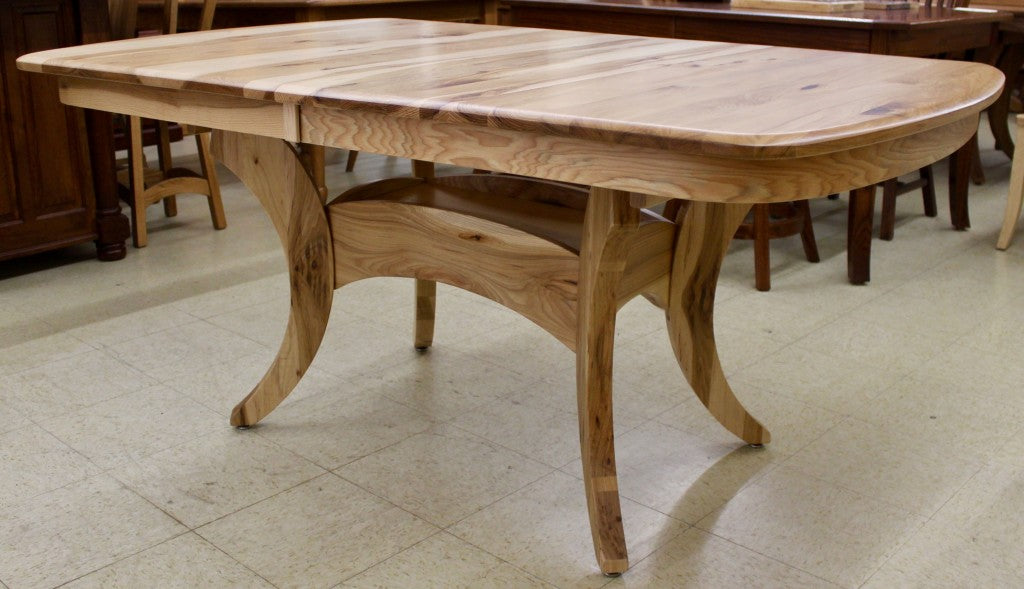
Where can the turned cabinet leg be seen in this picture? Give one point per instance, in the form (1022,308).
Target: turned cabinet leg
(608,220)
(271,169)
(704,235)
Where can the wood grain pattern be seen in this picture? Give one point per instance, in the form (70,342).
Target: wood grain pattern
(608,224)
(600,87)
(660,172)
(704,235)
(723,125)
(271,170)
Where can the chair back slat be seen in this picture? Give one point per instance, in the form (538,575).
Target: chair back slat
(124,17)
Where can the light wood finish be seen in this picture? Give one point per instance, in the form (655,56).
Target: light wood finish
(599,110)
(243,13)
(271,170)
(704,235)
(148,188)
(1015,197)
(922,31)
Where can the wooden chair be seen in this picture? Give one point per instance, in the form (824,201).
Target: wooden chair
(149,186)
(925,182)
(1015,198)
(771,221)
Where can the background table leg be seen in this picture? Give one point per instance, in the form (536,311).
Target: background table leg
(861,218)
(271,169)
(704,235)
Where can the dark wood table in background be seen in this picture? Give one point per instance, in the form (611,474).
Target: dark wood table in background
(916,33)
(247,13)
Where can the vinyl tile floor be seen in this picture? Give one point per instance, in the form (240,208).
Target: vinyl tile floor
(896,411)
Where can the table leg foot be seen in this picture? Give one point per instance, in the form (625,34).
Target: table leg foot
(608,220)
(704,235)
(271,169)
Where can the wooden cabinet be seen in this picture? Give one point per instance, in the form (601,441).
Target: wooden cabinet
(56,163)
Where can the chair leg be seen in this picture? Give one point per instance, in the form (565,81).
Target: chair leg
(977,172)
(1015,196)
(807,234)
(166,163)
(887,227)
(762,249)
(928,192)
(351,163)
(209,169)
(137,179)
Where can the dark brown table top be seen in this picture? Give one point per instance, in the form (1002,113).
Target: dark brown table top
(922,17)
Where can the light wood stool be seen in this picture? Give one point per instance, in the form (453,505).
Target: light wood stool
(1015,198)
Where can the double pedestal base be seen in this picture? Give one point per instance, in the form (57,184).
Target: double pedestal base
(563,257)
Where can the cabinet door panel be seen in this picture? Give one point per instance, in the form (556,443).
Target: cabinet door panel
(53,202)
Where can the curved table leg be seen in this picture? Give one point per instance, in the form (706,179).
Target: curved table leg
(609,218)
(705,232)
(272,171)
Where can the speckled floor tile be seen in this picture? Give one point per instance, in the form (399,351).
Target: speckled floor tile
(454,565)
(698,559)
(129,326)
(529,424)
(973,541)
(358,347)
(40,351)
(236,296)
(180,563)
(64,534)
(792,424)
(823,529)
(818,377)
(885,465)
(544,530)
(71,384)
(317,534)
(934,412)
(133,426)
(683,475)
(214,475)
(10,418)
(443,474)
(263,322)
(182,349)
(335,427)
(879,346)
(443,384)
(33,462)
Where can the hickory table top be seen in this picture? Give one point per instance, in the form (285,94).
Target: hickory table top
(742,101)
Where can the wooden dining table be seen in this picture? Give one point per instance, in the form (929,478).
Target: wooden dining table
(917,32)
(705,129)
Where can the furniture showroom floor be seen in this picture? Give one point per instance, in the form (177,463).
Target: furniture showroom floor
(896,411)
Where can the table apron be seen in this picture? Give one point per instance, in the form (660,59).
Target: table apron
(657,172)
(217,111)
(670,173)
